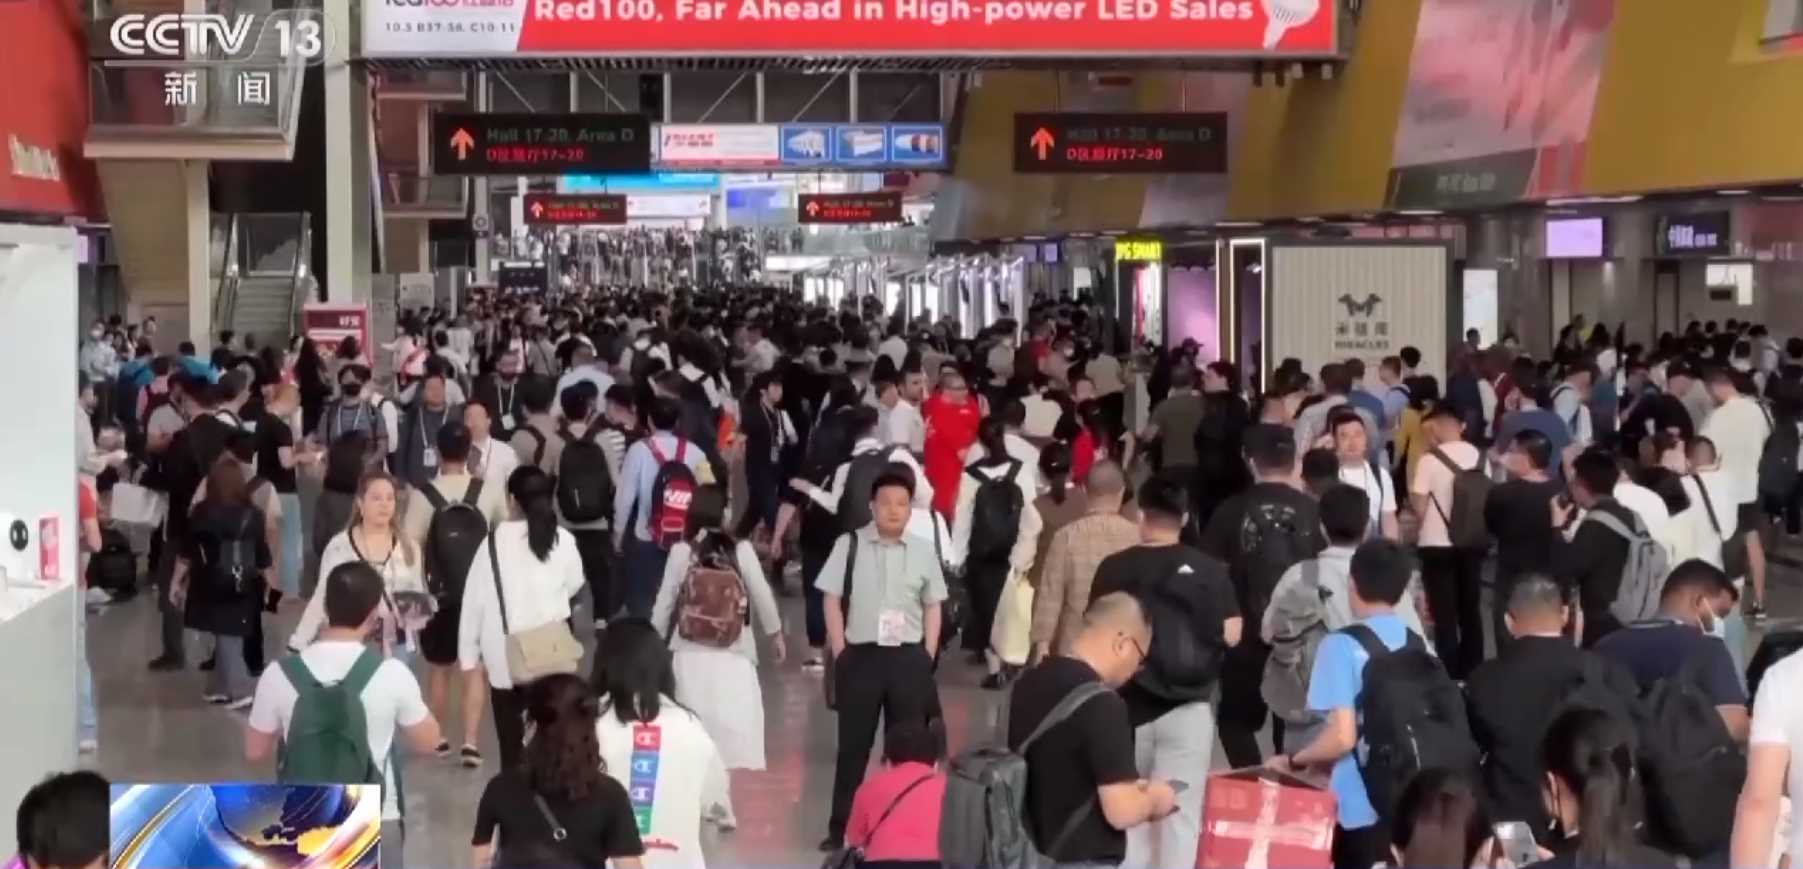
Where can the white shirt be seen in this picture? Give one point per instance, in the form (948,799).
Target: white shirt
(894,348)
(591,373)
(1042,416)
(1646,504)
(1379,489)
(828,499)
(397,576)
(1020,449)
(498,461)
(764,355)
(1778,720)
(1739,430)
(903,426)
(1726,499)
(671,767)
(538,592)
(1026,542)
(391,699)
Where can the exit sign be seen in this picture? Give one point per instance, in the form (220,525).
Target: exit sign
(842,208)
(1104,143)
(555,209)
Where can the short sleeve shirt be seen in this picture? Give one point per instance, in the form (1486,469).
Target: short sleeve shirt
(1778,720)
(1378,488)
(1434,479)
(889,581)
(1335,683)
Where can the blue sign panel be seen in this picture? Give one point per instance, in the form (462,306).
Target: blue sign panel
(861,145)
(650,181)
(917,144)
(807,144)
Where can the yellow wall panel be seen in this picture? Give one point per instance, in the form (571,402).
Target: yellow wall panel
(1319,147)
(1689,100)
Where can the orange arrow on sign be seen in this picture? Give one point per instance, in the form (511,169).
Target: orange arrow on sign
(538,209)
(813,209)
(462,142)
(1041,142)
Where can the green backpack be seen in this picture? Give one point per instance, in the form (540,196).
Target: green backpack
(328,737)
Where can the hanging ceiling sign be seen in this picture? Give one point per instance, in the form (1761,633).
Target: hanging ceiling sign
(539,144)
(853,147)
(1191,29)
(1065,142)
(844,208)
(559,209)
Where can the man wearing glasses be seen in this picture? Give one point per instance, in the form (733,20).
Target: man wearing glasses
(1084,792)
(951,416)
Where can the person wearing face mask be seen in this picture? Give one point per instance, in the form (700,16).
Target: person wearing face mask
(416,455)
(277,458)
(1684,641)
(355,411)
(1589,791)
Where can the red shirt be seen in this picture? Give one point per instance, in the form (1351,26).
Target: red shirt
(911,832)
(951,429)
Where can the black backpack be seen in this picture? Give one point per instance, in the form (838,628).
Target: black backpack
(995,514)
(860,483)
(456,533)
(1411,717)
(1691,768)
(229,565)
(114,569)
(1272,539)
(585,485)
(1778,461)
(1464,518)
(1180,656)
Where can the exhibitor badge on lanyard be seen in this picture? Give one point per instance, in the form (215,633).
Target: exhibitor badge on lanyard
(428,453)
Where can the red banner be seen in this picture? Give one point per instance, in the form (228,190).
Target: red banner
(44,115)
(934,28)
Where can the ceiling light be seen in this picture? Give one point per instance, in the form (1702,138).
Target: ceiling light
(1237,224)
(1420,212)
(1786,198)
(1308,219)
(1732,192)
(1596,200)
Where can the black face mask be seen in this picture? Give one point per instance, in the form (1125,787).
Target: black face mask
(510,376)
(350,388)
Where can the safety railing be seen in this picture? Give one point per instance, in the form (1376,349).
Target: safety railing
(228,275)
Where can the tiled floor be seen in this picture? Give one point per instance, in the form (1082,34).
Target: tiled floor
(154,727)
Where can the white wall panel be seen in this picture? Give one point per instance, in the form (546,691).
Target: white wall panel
(1333,303)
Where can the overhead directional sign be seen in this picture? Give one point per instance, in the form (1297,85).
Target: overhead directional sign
(843,208)
(858,147)
(1107,143)
(534,144)
(560,209)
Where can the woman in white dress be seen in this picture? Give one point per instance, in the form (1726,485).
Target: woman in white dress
(375,538)
(720,684)
(659,750)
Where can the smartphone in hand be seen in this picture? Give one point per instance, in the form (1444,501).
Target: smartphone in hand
(1516,841)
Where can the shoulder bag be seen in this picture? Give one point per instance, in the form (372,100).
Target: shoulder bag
(536,651)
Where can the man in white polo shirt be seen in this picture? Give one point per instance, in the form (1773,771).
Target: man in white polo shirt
(391,697)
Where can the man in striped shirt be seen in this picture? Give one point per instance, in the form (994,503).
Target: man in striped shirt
(1062,593)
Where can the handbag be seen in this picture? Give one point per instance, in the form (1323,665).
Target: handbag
(537,651)
(852,856)
(829,684)
(133,504)
(1734,548)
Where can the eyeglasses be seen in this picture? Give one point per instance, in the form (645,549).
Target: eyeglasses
(1138,650)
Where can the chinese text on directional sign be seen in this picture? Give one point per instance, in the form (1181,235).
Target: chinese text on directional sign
(556,209)
(1099,142)
(534,144)
(843,208)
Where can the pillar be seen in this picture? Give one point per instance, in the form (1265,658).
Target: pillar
(349,217)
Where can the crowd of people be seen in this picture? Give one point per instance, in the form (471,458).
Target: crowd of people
(1513,595)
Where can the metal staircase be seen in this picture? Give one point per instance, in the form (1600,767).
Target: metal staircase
(262,274)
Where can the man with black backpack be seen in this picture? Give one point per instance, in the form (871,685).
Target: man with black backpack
(592,456)
(847,495)
(1195,620)
(190,455)
(1391,710)
(448,521)
(334,708)
(1260,533)
(1448,493)
(1692,711)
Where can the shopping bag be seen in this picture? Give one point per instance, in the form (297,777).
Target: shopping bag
(1259,819)
(133,504)
(1012,636)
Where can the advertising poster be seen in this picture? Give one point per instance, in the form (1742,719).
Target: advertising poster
(874,28)
(1499,101)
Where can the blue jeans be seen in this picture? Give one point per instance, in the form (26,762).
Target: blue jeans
(644,573)
(87,719)
(294,545)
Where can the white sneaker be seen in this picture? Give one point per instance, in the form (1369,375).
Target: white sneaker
(98,597)
(215,699)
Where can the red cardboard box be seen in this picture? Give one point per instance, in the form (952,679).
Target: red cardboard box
(1257,819)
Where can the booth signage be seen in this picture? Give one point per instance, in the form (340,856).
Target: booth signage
(533,144)
(522,279)
(1106,143)
(652,181)
(1190,29)
(849,207)
(556,209)
(858,147)
(1708,233)
(329,325)
(1138,250)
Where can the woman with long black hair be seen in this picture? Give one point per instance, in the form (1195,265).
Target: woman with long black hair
(1589,790)
(994,556)
(522,578)
(561,797)
(657,747)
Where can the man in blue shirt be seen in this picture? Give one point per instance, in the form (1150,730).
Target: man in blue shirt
(643,558)
(1380,575)
(1525,413)
(1370,407)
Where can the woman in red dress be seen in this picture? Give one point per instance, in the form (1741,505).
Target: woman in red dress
(951,416)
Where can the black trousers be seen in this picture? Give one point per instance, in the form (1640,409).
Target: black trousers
(1453,578)
(174,649)
(510,724)
(984,582)
(1243,711)
(596,547)
(1361,848)
(871,681)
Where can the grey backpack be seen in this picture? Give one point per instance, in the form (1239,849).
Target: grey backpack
(982,821)
(1643,576)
